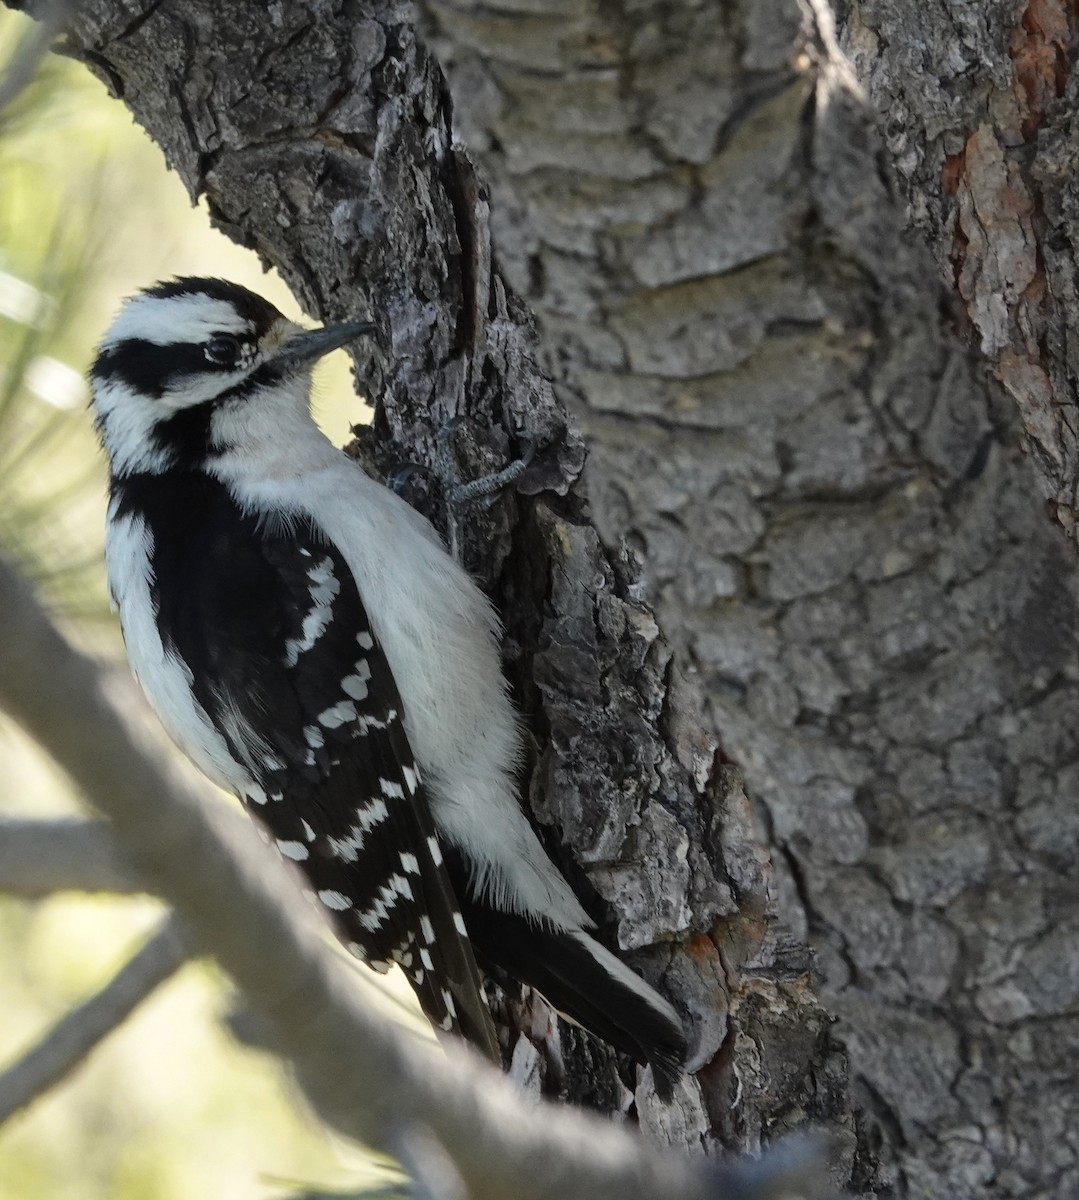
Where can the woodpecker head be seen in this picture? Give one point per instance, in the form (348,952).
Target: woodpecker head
(184,359)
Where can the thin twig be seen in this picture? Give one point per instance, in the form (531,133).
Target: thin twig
(362,1075)
(73,1037)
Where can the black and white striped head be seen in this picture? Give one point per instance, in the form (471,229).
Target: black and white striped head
(182,359)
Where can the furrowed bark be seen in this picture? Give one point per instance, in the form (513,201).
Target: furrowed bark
(840,529)
(979,113)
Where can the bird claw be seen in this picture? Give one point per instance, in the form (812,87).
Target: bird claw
(486,490)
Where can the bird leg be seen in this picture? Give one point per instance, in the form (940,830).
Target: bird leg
(484,490)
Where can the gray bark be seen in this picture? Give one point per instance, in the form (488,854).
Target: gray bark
(320,137)
(979,115)
(838,524)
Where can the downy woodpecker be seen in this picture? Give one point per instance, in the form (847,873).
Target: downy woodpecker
(306,639)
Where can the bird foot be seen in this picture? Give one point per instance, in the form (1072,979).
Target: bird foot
(485,490)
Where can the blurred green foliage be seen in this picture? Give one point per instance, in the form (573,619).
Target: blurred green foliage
(47,253)
(169,1107)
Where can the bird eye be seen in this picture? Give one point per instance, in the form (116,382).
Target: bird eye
(223,350)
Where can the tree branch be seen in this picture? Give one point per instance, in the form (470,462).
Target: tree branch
(77,1033)
(362,1075)
(38,858)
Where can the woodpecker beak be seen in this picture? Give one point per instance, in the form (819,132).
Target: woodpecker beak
(312,344)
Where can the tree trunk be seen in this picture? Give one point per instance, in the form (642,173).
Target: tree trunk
(978,111)
(839,527)
(322,140)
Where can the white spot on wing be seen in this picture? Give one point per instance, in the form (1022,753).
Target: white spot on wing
(425,958)
(335,900)
(294,850)
(355,685)
(348,848)
(308,832)
(322,576)
(410,863)
(338,714)
(436,850)
(323,590)
(373,917)
(365,640)
(459,923)
(376,915)
(391,790)
(411,776)
(400,885)
(427,929)
(372,814)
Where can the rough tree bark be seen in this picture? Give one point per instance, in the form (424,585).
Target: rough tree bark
(319,134)
(979,114)
(838,523)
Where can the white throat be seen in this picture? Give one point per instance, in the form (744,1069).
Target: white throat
(270,434)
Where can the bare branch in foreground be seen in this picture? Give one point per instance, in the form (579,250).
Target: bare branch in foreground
(38,858)
(432,1171)
(362,1075)
(76,1034)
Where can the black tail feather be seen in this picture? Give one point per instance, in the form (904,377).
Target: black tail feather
(582,980)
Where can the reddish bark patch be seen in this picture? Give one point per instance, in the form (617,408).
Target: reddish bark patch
(954,165)
(701,948)
(1040,49)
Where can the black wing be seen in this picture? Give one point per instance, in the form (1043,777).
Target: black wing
(285,664)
